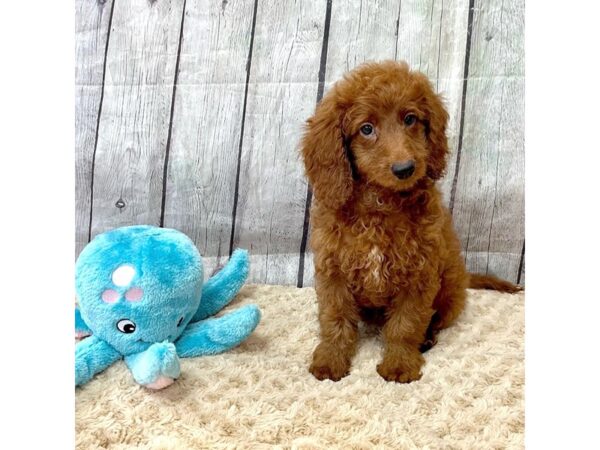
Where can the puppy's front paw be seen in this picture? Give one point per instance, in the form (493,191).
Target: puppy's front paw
(401,371)
(326,372)
(328,365)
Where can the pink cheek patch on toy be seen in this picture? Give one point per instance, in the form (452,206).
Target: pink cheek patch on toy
(110,296)
(134,294)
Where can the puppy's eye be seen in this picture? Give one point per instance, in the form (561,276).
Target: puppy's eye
(180,322)
(126,326)
(410,119)
(367,129)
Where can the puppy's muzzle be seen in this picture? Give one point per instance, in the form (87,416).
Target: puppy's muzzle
(403,170)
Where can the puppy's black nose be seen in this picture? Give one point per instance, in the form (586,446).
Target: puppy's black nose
(403,170)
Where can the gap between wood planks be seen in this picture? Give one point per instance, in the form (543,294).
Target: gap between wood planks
(320,89)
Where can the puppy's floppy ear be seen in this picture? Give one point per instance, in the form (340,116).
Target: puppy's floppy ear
(327,167)
(436,124)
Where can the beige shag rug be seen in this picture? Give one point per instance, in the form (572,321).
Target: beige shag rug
(261,395)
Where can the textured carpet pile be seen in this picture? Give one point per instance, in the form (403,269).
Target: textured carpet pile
(261,395)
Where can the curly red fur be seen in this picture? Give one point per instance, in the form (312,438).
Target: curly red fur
(385,248)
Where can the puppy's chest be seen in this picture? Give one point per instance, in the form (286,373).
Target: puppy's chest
(380,257)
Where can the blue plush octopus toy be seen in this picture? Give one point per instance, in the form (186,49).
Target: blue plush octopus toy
(142,297)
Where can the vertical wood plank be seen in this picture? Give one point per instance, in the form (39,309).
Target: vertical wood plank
(134,122)
(122,152)
(432,38)
(521,278)
(359,31)
(207,124)
(281,95)
(489,204)
(92,22)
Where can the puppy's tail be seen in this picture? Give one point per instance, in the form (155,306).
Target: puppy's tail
(478,281)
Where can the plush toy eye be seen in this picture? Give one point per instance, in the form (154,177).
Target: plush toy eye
(366,129)
(180,322)
(126,326)
(410,119)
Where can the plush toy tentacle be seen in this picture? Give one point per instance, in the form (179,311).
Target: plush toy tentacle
(92,355)
(219,290)
(217,335)
(156,367)
(81,328)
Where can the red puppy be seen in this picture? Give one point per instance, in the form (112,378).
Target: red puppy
(384,245)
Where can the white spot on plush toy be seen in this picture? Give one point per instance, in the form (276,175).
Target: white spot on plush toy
(123,275)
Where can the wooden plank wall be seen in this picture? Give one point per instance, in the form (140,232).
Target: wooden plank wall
(207,124)
(189,113)
(91,32)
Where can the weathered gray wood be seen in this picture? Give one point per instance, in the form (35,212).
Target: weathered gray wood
(202,148)
(281,95)
(489,204)
(360,31)
(432,38)
(134,122)
(92,20)
(207,120)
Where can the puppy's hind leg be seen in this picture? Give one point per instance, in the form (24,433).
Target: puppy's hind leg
(448,303)
(431,334)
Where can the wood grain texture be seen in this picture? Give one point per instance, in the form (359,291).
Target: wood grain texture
(432,38)
(193,119)
(134,122)
(489,203)
(360,31)
(207,124)
(91,32)
(281,95)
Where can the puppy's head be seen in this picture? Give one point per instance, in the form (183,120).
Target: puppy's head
(382,124)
